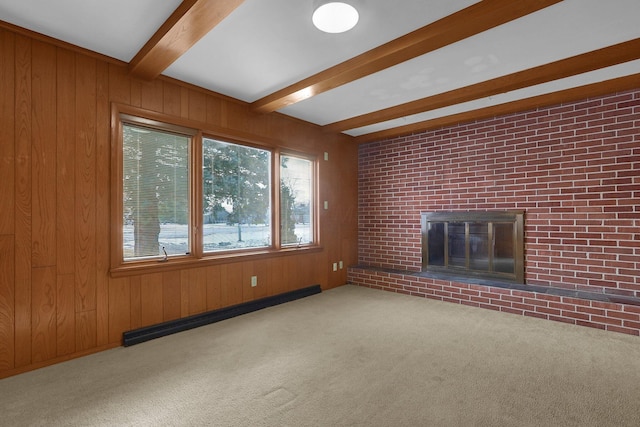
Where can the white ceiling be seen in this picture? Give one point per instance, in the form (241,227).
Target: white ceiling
(267,45)
(270,44)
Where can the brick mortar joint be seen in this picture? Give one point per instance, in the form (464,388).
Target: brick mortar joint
(534,289)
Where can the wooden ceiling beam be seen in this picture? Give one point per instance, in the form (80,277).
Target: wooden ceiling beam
(555,98)
(465,23)
(191,21)
(605,57)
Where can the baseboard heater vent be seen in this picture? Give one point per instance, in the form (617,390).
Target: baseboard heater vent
(147,333)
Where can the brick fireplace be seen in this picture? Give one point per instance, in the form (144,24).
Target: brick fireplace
(574,169)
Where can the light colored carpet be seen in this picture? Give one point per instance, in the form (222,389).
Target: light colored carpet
(347,357)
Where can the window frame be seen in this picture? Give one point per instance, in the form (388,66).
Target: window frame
(232,141)
(121,114)
(314,210)
(187,133)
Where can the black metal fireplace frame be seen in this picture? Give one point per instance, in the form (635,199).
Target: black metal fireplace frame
(490,218)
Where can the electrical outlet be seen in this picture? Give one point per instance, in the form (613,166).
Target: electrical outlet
(326,204)
(335,266)
(254,281)
(326,156)
(341,265)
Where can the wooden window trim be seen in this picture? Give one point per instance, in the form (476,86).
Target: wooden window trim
(197,130)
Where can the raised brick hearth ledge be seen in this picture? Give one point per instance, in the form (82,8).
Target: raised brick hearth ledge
(601,311)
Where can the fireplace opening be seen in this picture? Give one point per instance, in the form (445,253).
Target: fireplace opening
(481,244)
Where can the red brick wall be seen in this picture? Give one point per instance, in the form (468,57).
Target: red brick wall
(574,169)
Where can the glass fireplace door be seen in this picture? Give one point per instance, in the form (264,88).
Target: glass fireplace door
(484,244)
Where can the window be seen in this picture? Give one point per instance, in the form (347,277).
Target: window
(155,192)
(236,196)
(296,200)
(181,197)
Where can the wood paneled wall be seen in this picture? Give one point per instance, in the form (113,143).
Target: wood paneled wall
(57,299)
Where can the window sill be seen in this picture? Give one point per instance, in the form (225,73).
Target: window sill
(147,267)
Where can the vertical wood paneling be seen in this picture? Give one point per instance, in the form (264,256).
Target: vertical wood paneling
(43,318)
(231,284)
(263,271)
(7,311)
(65,145)
(214,111)
(184,292)
(136,93)
(292,272)
(184,102)
(305,269)
(119,84)
(171,294)
(234,117)
(349,215)
(197,291)
(134,290)
(223,117)
(119,309)
(85,211)
(65,314)
(56,296)
(86,330)
(258,125)
(260,269)
(322,271)
(213,287)
(7,135)
(7,197)
(43,155)
(197,106)
(152,95)
(277,284)
(151,299)
(23,202)
(172,102)
(103,145)
(329,172)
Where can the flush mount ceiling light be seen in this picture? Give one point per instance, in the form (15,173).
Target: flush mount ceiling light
(335,17)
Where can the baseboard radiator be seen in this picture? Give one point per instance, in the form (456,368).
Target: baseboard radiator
(147,333)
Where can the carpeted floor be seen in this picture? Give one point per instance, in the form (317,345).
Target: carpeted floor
(347,357)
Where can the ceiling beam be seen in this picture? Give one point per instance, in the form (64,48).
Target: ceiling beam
(567,95)
(465,23)
(605,57)
(191,21)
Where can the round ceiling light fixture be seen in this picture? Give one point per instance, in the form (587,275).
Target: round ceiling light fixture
(335,17)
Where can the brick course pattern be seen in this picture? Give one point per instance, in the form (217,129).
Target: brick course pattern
(575,171)
(609,316)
